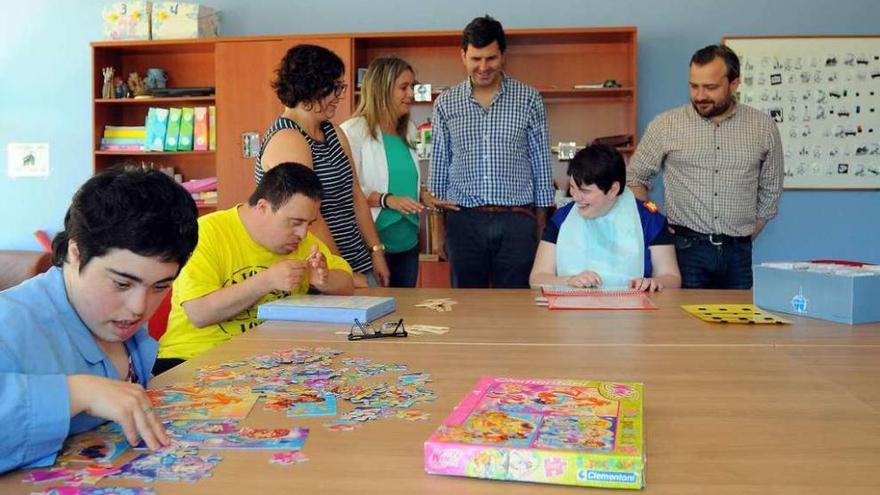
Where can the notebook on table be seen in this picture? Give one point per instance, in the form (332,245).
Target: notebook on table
(565,297)
(327,309)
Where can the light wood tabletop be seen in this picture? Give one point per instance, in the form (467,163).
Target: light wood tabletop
(745,410)
(483,316)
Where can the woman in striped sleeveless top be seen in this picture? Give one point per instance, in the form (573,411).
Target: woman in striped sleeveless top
(310,85)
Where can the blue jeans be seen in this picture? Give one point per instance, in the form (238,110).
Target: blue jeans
(404,267)
(494,249)
(704,265)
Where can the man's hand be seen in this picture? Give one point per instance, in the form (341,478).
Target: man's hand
(646,284)
(286,275)
(436,203)
(759,226)
(318,270)
(540,223)
(122,402)
(585,279)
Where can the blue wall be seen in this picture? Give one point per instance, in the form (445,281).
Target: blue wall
(45,64)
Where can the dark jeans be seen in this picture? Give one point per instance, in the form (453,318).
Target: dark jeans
(164,364)
(704,265)
(404,267)
(490,248)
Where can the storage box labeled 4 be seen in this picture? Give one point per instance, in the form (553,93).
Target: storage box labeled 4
(178,20)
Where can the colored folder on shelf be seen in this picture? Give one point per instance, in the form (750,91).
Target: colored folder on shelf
(173,132)
(200,129)
(156,126)
(564,297)
(185,140)
(327,309)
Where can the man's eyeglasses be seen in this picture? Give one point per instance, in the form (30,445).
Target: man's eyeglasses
(360,331)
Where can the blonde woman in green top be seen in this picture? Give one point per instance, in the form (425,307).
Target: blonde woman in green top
(381,137)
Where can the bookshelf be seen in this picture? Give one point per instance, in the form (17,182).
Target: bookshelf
(186,63)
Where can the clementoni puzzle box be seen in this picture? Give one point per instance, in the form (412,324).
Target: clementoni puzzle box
(567,432)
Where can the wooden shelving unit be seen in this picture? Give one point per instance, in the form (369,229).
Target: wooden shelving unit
(186,63)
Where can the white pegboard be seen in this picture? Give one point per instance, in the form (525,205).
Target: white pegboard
(824,93)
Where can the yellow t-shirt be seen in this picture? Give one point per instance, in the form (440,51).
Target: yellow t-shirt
(226,255)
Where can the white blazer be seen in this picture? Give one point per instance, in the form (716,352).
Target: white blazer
(370,160)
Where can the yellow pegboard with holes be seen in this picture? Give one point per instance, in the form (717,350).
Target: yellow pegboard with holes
(746,314)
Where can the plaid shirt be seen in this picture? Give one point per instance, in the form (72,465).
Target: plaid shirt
(495,156)
(719,178)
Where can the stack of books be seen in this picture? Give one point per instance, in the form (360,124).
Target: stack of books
(123,138)
(203,191)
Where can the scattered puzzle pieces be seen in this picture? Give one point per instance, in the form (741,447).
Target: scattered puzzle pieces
(96,490)
(288,458)
(423,329)
(441,305)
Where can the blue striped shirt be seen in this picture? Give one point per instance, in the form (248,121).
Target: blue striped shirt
(494,156)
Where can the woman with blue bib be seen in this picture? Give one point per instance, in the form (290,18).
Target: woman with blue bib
(605,238)
(382,147)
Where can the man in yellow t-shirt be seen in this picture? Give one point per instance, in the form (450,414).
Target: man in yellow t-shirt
(246,256)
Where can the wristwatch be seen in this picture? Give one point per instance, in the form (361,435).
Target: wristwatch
(377,248)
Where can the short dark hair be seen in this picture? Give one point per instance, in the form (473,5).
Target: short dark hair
(307,73)
(598,164)
(142,211)
(709,53)
(284,180)
(481,32)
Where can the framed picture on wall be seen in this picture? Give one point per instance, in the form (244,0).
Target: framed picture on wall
(823,92)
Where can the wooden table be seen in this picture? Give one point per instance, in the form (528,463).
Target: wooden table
(728,409)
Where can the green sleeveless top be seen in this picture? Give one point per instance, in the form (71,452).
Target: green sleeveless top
(399,232)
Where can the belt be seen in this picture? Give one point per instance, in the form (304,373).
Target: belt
(524,209)
(714,239)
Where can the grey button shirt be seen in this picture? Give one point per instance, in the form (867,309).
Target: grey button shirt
(718,178)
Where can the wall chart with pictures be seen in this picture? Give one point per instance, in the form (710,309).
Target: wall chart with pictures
(824,94)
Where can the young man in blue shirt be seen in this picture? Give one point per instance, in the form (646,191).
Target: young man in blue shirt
(491,157)
(74,349)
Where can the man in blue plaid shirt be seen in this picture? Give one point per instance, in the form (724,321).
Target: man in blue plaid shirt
(491,156)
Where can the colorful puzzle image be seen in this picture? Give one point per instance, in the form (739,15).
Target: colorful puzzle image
(96,490)
(101,446)
(193,402)
(569,432)
(170,464)
(747,314)
(226,434)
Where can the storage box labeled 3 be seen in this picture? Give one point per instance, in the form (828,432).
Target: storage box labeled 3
(845,294)
(127,20)
(177,20)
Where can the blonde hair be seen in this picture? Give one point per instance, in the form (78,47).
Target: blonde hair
(376,104)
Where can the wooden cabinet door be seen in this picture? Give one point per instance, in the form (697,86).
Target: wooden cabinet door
(246,102)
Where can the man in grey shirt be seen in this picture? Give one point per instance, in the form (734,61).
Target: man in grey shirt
(723,171)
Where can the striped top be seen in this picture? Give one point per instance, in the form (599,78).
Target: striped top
(337,203)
